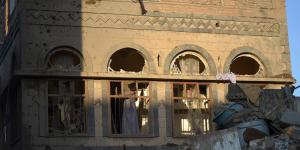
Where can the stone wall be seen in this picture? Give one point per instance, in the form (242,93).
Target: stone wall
(218,31)
(159,32)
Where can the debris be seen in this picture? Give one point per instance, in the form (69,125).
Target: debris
(259,127)
(290,117)
(227,112)
(272,103)
(273,110)
(252,91)
(293,132)
(251,134)
(235,93)
(273,122)
(221,140)
(275,143)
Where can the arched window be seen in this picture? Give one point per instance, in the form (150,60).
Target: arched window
(127,60)
(189,63)
(247,64)
(66,97)
(64,60)
(129,100)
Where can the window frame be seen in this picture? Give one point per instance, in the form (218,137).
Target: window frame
(200,58)
(150,109)
(261,71)
(208,109)
(68,51)
(85,107)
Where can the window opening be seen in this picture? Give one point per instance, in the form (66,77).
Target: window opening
(66,110)
(191,109)
(64,61)
(129,107)
(188,63)
(246,65)
(127,60)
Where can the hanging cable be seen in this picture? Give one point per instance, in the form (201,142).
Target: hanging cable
(143,9)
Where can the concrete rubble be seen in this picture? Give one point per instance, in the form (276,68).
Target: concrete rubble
(254,119)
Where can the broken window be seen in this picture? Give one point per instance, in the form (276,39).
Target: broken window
(129,107)
(64,60)
(191,109)
(127,60)
(66,110)
(188,63)
(246,65)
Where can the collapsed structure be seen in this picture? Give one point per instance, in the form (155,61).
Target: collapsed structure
(131,74)
(254,120)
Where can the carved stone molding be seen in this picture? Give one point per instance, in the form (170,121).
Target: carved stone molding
(157,22)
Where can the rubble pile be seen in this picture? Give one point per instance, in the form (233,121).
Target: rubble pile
(262,120)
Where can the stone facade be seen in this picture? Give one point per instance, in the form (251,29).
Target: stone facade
(72,40)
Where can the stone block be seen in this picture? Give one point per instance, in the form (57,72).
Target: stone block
(221,140)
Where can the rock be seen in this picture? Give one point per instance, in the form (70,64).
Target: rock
(290,117)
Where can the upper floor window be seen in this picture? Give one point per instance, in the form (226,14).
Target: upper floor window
(188,63)
(191,113)
(247,64)
(64,60)
(127,60)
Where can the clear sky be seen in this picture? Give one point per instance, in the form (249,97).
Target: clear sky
(293,14)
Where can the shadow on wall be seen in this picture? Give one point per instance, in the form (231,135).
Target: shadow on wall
(56,34)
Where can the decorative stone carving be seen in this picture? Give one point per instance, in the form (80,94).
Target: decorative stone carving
(160,23)
(223,3)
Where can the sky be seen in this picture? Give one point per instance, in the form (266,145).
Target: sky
(293,15)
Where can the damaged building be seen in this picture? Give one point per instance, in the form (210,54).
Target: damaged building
(131,74)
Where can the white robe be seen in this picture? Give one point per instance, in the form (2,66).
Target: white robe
(130,118)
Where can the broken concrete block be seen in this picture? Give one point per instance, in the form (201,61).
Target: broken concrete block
(251,134)
(290,117)
(272,103)
(252,91)
(270,143)
(259,125)
(226,113)
(235,93)
(261,144)
(293,132)
(220,140)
